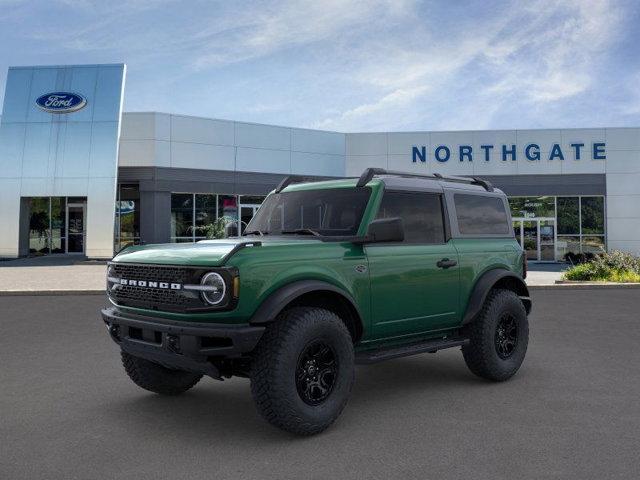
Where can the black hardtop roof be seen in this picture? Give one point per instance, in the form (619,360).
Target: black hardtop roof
(371,173)
(406,179)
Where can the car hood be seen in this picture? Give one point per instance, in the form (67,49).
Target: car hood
(203,253)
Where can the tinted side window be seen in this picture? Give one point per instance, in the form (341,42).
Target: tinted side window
(421,214)
(480,215)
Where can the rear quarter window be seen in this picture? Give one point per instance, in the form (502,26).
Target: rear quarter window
(481,215)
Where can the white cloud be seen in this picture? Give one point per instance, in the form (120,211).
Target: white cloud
(550,57)
(286,24)
(534,53)
(631,104)
(401,97)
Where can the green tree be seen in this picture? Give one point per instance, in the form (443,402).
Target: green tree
(217,229)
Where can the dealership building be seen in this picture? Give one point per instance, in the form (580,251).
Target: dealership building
(80,176)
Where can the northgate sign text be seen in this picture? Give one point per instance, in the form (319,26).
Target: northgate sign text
(577,151)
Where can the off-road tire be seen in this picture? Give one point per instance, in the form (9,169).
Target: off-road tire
(276,363)
(481,354)
(156,378)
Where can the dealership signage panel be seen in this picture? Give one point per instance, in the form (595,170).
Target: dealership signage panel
(531,152)
(61,102)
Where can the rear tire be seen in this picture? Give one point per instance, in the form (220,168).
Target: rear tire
(498,336)
(303,370)
(156,378)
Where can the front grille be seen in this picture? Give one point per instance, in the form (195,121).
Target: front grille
(157,273)
(167,299)
(162,287)
(150,297)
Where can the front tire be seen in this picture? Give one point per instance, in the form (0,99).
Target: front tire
(498,337)
(303,370)
(156,378)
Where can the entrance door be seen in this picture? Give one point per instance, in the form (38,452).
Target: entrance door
(530,239)
(75,227)
(537,236)
(247,211)
(547,240)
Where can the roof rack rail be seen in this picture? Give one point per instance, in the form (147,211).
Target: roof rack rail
(289,179)
(370,173)
(285,182)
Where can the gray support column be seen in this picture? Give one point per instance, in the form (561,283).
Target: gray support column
(155,216)
(25,217)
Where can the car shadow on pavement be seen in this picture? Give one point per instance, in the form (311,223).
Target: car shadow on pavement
(212,408)
(418,375)
(207,411)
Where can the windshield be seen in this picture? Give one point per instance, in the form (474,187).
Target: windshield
(328,212)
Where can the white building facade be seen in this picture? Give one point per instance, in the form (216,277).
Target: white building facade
(93,180)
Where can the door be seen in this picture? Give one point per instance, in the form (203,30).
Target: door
(530,239)
(537,236)
(517,231)
(414,283)
(547,240)
(75,227)
(246,214)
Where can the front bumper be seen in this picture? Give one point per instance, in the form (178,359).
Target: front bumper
(180,345)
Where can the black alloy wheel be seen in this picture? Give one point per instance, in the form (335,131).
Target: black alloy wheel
(506,338)
(316,372)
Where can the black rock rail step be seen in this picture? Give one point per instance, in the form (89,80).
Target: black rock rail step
(428,346)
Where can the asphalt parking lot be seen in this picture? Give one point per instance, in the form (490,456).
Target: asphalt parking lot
(68,410)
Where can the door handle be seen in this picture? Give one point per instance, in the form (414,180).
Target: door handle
(446,263)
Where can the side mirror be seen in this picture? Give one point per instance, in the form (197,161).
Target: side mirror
(385,230)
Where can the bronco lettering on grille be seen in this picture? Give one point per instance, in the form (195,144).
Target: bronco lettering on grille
(150,284)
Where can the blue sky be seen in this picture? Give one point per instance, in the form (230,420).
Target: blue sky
(348,65)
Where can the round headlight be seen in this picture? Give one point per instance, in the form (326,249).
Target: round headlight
(215,288)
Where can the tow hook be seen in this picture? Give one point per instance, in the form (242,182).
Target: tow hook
(173,343)
(114,331)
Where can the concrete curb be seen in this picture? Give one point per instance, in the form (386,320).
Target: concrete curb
(17,293)
(584,286)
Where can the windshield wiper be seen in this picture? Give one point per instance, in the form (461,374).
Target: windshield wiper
(256,232)
(303,231)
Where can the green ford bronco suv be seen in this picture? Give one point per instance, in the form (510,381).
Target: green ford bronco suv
(327,275)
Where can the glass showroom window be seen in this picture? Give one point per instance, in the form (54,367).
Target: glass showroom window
(47,225)
(530,207)
(580,225)
(58,224)
(580,220)
(40,225)
(182,212)
(205,214)
(191,212)
(592,224)
(568,225)
(249,205)
(127,226)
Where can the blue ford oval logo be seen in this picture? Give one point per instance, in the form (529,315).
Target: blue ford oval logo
(61,102)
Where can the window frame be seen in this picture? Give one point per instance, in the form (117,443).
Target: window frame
(415,191)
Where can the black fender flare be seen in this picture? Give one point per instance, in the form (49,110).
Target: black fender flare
(486,282)
(277,300)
